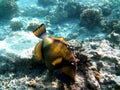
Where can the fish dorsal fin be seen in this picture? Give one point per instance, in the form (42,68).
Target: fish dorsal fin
(61,39)
(57,61)
(40,30)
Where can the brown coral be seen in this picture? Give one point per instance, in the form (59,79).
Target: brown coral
(90,18)
(16,25)
(32,26)
(109,26)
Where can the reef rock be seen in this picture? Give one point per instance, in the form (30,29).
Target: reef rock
(8,8)
(15,48)
(105,59)
(110,26)
(32,26)
(90,18)
(66,11)
(97,65)
(16,25)
(114,38)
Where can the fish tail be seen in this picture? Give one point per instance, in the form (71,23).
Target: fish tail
(39,31)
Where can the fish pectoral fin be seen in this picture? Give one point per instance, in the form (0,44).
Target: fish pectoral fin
(62,39)
(57,61)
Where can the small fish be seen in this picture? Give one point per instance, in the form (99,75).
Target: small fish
(55,54)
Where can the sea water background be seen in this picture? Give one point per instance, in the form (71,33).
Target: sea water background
(30,11)
(55,18)
(17,45)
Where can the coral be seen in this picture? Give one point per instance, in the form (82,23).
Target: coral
(73,9)
(117,27)
(109,26)
(32,26)
(90,18)
(117,82)
(59,15)
(66,11)
(106,9)
(46,2)
(118,68)
(8,8)
(115,3)
(16,25)
(105,58)
(114,38)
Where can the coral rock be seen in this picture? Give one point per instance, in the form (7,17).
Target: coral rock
(90,18)
(8,8)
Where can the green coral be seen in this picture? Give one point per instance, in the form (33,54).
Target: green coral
(8,8)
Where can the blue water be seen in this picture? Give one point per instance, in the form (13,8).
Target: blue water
(61,17)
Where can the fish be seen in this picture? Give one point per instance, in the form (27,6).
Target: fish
(55,54)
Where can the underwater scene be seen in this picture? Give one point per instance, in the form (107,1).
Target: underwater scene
(59,44)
